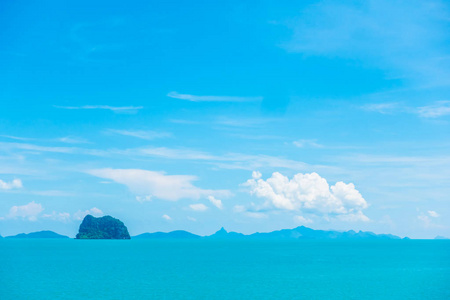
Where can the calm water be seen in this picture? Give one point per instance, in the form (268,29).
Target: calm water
(146,269)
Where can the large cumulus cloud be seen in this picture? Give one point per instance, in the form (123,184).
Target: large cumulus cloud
(309,193)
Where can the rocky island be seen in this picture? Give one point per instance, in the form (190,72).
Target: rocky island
(105,227)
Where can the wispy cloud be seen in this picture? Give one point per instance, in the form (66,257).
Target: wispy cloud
(428,219)
(436,110)
(382,108)
(157,184)
(141,134)
(116,109)
(79,215)
(28,211)
(224,121)
(225,161)
(198,207)
(195,98)
(32,147)
(216,202)
(307,144)
(17,138)
(72,140)
(66,139)
(166,217)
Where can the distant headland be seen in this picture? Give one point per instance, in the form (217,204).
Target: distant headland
(45,234)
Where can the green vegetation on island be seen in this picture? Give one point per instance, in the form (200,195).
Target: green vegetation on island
(105,227)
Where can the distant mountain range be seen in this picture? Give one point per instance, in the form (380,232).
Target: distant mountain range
(298,233)
(46,234)
(177,234)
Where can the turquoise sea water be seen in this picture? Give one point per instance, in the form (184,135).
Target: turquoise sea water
(200,269)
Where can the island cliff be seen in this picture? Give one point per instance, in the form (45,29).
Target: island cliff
(105,227)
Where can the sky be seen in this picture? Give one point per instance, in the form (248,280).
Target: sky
(254,116)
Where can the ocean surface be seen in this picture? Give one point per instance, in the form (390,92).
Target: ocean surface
(206,269)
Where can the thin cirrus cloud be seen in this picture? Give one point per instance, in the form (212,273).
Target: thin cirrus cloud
(307,144)
(157,184)
(66,139)
(195,98)
(308,193)
(436,110)
(141,134)
(226,161)
(116,109)
(382,108)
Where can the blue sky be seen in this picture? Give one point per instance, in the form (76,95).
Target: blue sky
(174,115)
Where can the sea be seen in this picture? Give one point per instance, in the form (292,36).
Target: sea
(210,269)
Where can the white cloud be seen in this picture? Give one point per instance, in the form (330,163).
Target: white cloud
(354,217)
(307,144)
(195,98)
(216,202)
(192,219)
(256,175)
(429,218)
(116,109)
(302,220)
(79,215)
(198,207)
(15,184)
(141,134)
(309,193)
(145,198)
(433,214)
(29,211)
(166,217)
(439,109)
(157,184)
(61,217)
